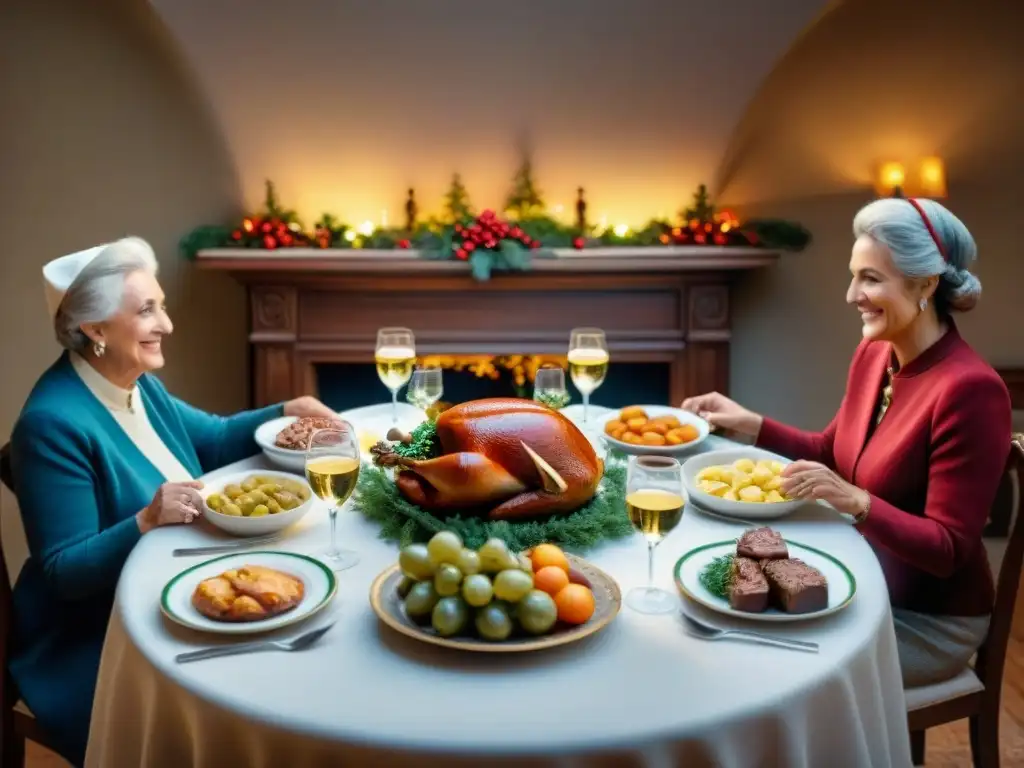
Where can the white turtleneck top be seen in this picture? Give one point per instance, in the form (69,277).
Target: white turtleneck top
(129,412)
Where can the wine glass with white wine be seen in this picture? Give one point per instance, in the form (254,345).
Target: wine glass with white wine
(332,469)
(425,387)
(549,388)
(654,503)
(588,362)
(395,357)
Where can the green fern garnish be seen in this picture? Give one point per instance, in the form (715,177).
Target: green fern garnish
(424,445)
(717,576)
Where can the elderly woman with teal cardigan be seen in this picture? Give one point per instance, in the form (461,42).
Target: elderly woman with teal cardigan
(102,454)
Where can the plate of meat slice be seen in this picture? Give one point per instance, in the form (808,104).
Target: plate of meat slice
(763,577)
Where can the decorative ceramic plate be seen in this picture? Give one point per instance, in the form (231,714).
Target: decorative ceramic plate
(653,411)
(841,583)
(319,580)
(388,606)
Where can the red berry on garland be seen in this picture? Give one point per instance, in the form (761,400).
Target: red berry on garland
(403,243)
(269,242)
(491,244)
(462,254)
(516,232)
(236,235)
(534,244)
(267,226)
(287,239)
(469,246)
(578,243)
(700,237)
(720,239)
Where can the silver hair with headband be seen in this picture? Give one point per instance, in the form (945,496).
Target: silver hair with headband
(925,239)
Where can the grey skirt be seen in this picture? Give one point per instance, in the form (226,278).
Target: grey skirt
(936,648)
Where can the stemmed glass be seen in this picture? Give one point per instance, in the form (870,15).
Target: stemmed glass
(425,387)
(332,468)
(654,502)
(549,388)
(588,362)
(395,356)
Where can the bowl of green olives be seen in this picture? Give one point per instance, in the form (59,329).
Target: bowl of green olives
(257,503)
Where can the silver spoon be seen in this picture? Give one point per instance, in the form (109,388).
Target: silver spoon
(698,628)
(299,643)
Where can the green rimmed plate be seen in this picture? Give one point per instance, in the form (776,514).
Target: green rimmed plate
(842,585)
(319,581)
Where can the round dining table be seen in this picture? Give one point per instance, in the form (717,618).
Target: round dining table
(641,692)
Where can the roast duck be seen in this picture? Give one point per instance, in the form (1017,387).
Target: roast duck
(505,458)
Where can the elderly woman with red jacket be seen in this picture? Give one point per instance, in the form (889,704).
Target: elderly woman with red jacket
(917,448)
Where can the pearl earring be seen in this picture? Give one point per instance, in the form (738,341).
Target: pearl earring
(923,304)
(99,348)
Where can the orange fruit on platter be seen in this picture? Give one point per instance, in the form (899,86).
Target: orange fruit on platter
(544,555)
(575,604)
(551,579)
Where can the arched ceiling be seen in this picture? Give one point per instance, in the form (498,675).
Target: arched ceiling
(345,104)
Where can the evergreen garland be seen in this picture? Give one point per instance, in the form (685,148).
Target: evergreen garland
(604,517)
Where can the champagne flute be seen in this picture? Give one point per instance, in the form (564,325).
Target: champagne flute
(588,362)
(395,355)
(549,388)
(425,387)
(332,469)
(654,503)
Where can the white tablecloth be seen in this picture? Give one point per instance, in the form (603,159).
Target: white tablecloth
(639,693)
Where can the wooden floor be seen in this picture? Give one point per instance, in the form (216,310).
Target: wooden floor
(948,746)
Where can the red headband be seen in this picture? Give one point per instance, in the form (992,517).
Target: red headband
(929,227)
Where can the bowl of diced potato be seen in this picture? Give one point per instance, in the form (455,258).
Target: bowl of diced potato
(654,429)
(257,502)
(739,482)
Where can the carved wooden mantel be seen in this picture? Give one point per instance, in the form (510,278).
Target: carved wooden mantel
(660,304)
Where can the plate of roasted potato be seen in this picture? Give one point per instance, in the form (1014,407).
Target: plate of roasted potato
(739,482)
(654,429)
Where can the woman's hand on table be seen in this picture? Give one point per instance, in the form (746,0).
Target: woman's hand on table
(173,504)
(812,481)
(301,407)
(719,411)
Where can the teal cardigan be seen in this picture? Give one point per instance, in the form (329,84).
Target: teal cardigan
(80,481)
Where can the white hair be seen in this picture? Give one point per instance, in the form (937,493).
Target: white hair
(896,224)
(97,293)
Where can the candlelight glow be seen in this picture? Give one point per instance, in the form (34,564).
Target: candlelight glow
(891,178)
(933,177)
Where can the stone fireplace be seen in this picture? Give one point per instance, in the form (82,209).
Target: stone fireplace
(314,317)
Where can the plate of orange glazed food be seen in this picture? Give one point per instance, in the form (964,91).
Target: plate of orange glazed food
(655,430)
(248,592)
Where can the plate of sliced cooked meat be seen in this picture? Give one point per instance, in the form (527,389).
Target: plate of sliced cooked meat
(764,577)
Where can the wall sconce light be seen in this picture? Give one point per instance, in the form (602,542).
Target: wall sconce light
(890,181)
(928,181)
(933,177)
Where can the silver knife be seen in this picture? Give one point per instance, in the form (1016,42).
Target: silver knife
(231,547)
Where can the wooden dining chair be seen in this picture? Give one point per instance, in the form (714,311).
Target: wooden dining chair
(16,721)
(975,692)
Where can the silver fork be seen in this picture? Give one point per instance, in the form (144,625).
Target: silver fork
(698,628)
(299,643)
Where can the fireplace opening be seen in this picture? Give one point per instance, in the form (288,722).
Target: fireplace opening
(352,385)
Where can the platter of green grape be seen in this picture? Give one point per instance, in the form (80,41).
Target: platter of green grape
(446,594)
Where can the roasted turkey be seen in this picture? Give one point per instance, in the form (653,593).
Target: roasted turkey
(507,458)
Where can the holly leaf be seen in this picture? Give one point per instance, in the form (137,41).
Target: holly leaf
(514,256)
(480,263)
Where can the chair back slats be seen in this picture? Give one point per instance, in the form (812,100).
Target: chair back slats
(992,654)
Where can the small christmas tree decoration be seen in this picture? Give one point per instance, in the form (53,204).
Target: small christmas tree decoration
(701,210)
(456,201)
(524,200)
